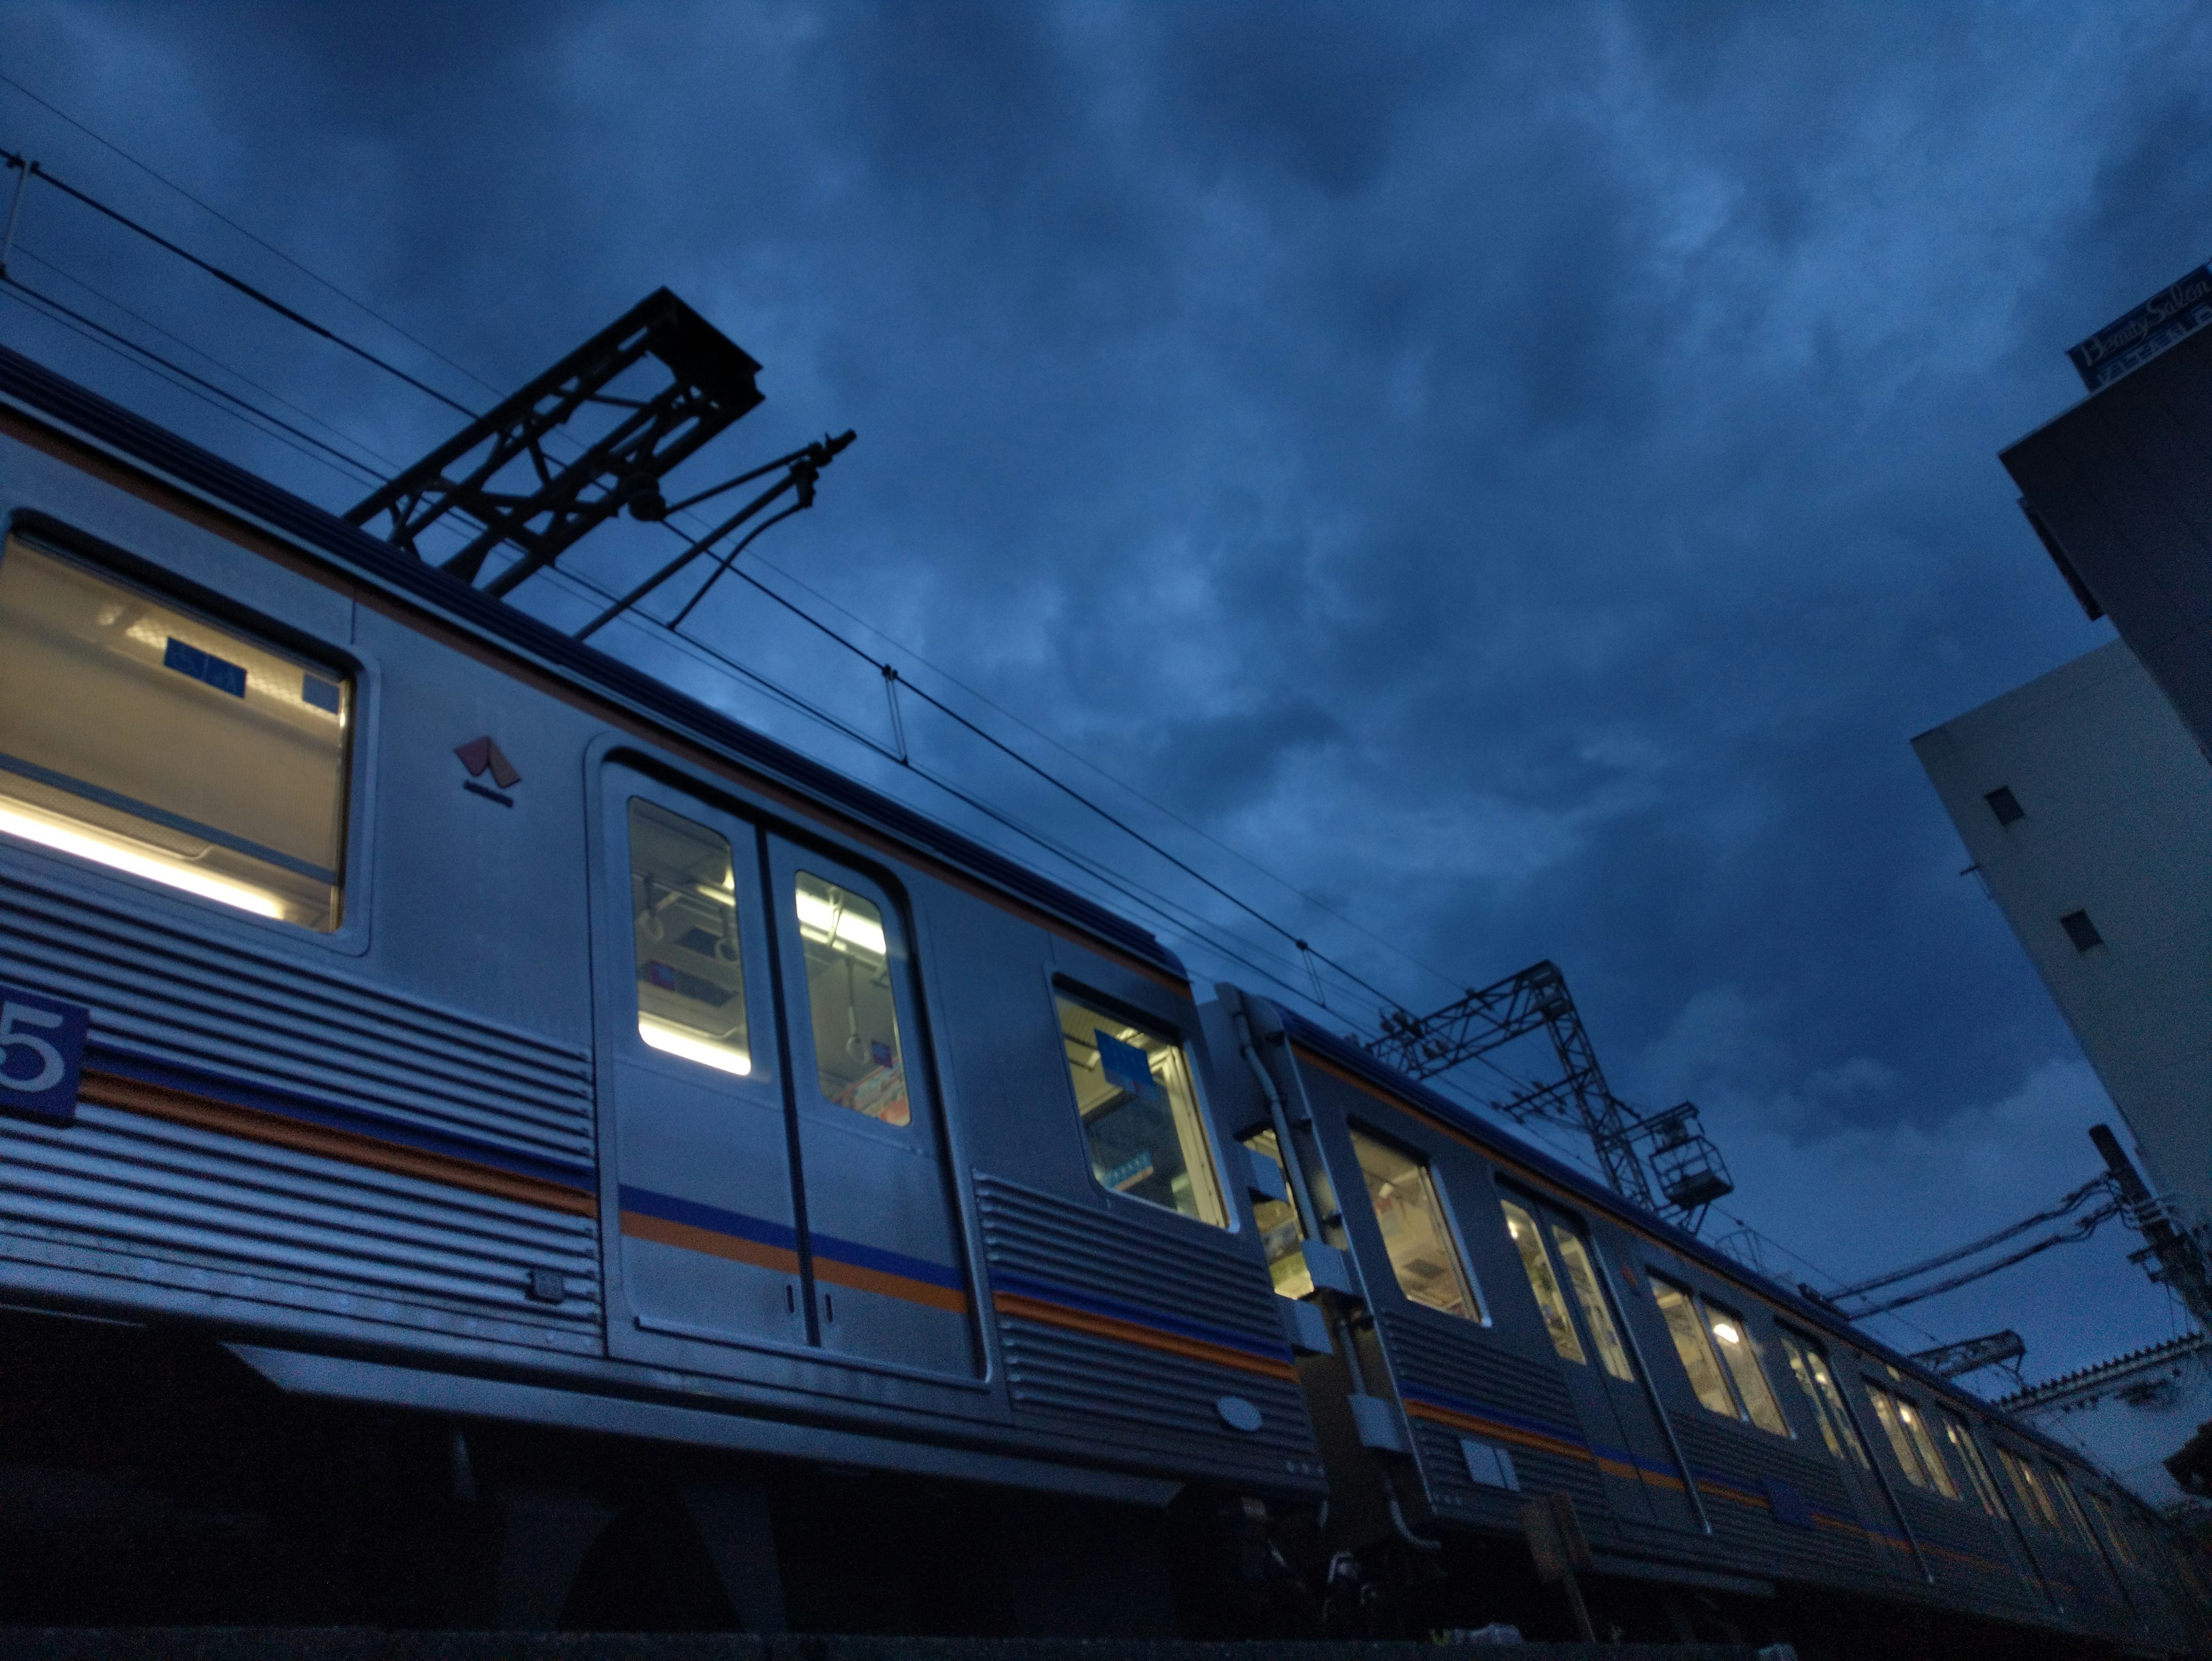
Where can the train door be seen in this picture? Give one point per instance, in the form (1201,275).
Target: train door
(1564,1275)
(774,1140)
(707,1236)
(888,1280)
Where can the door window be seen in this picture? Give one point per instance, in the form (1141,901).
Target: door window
(2063,1486)
(1909,1440)
(1810,1369)
(690,967)
(857,1061)
(1139,1113)
(1550,1301)
(1721,1357)
(1590,1297)
(1977,1470)
(2113,1531)
(142,737)
(1281,1235)
(1416,1233)
(2033,1500)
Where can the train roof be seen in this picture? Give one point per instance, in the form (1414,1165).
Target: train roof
(1351,1058)
(55,400)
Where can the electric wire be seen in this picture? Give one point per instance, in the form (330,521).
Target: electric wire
(237,283)
(55,311)
(2073,1201)
(1112,778)
(2081,1231)
(106,299)
(213,212)
(991,739)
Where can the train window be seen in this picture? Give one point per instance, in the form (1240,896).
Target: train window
(1939,1470)
(1977,1470)
(690,970)
(2032,1499)
(1688,1332)
(1139,1113)
(1721,1357)
(1280,1234)
(1551,1302)
(1590,1293)
(856,1057)
(1907,1431)
(143,737)
(1739,1353)
(1900,1443)
(2063,1486)
(1810,1369)
(2113,1532)
(1416,1233)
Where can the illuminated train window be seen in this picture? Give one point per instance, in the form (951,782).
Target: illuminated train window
(1977,1470)
(1916,1451)
(857,1055)
(141,737)
(1282,1237)
(1139,1113)
(1721,1357)
(1809,1367)
(690,967)
(1415,1230)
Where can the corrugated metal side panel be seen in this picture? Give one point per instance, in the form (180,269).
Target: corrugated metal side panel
(1102,1391)
(1730,1468)
(1478,1369)
(158,992)
(1090,1250)
(1966,1552)
(186,1208)
(1126,1395)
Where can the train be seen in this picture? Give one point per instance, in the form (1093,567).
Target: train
(487,1139)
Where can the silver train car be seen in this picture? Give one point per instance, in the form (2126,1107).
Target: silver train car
(1506,1327)
(485,1139)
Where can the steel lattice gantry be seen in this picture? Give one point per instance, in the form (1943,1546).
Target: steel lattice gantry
(496,472)
(1691,1173)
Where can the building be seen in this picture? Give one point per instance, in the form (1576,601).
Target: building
(2086,807)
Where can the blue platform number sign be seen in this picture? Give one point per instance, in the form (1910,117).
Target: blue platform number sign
(41,1048)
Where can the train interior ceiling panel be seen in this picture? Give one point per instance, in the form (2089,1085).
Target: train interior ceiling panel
(517,1148)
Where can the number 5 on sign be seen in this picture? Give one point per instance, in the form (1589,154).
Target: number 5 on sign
(41,1047)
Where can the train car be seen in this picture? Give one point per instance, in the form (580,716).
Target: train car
(487,1139)
(458,1022)
(1506,1328)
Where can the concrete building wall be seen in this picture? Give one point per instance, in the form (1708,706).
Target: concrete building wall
(2115,822)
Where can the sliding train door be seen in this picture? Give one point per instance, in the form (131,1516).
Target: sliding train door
(1567,1272)
(887,1276)
(707,1242)
(780,1206)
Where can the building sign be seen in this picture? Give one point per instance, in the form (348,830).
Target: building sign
(41,1047)
(2171,315)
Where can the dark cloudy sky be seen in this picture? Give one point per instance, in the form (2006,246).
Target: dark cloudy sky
(1522,474)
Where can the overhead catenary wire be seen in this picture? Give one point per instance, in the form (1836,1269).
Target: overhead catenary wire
(2073,1201)
(14,160)
(374,455)
(217,214)
(198,386)
(2081,1231)
(291,314)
